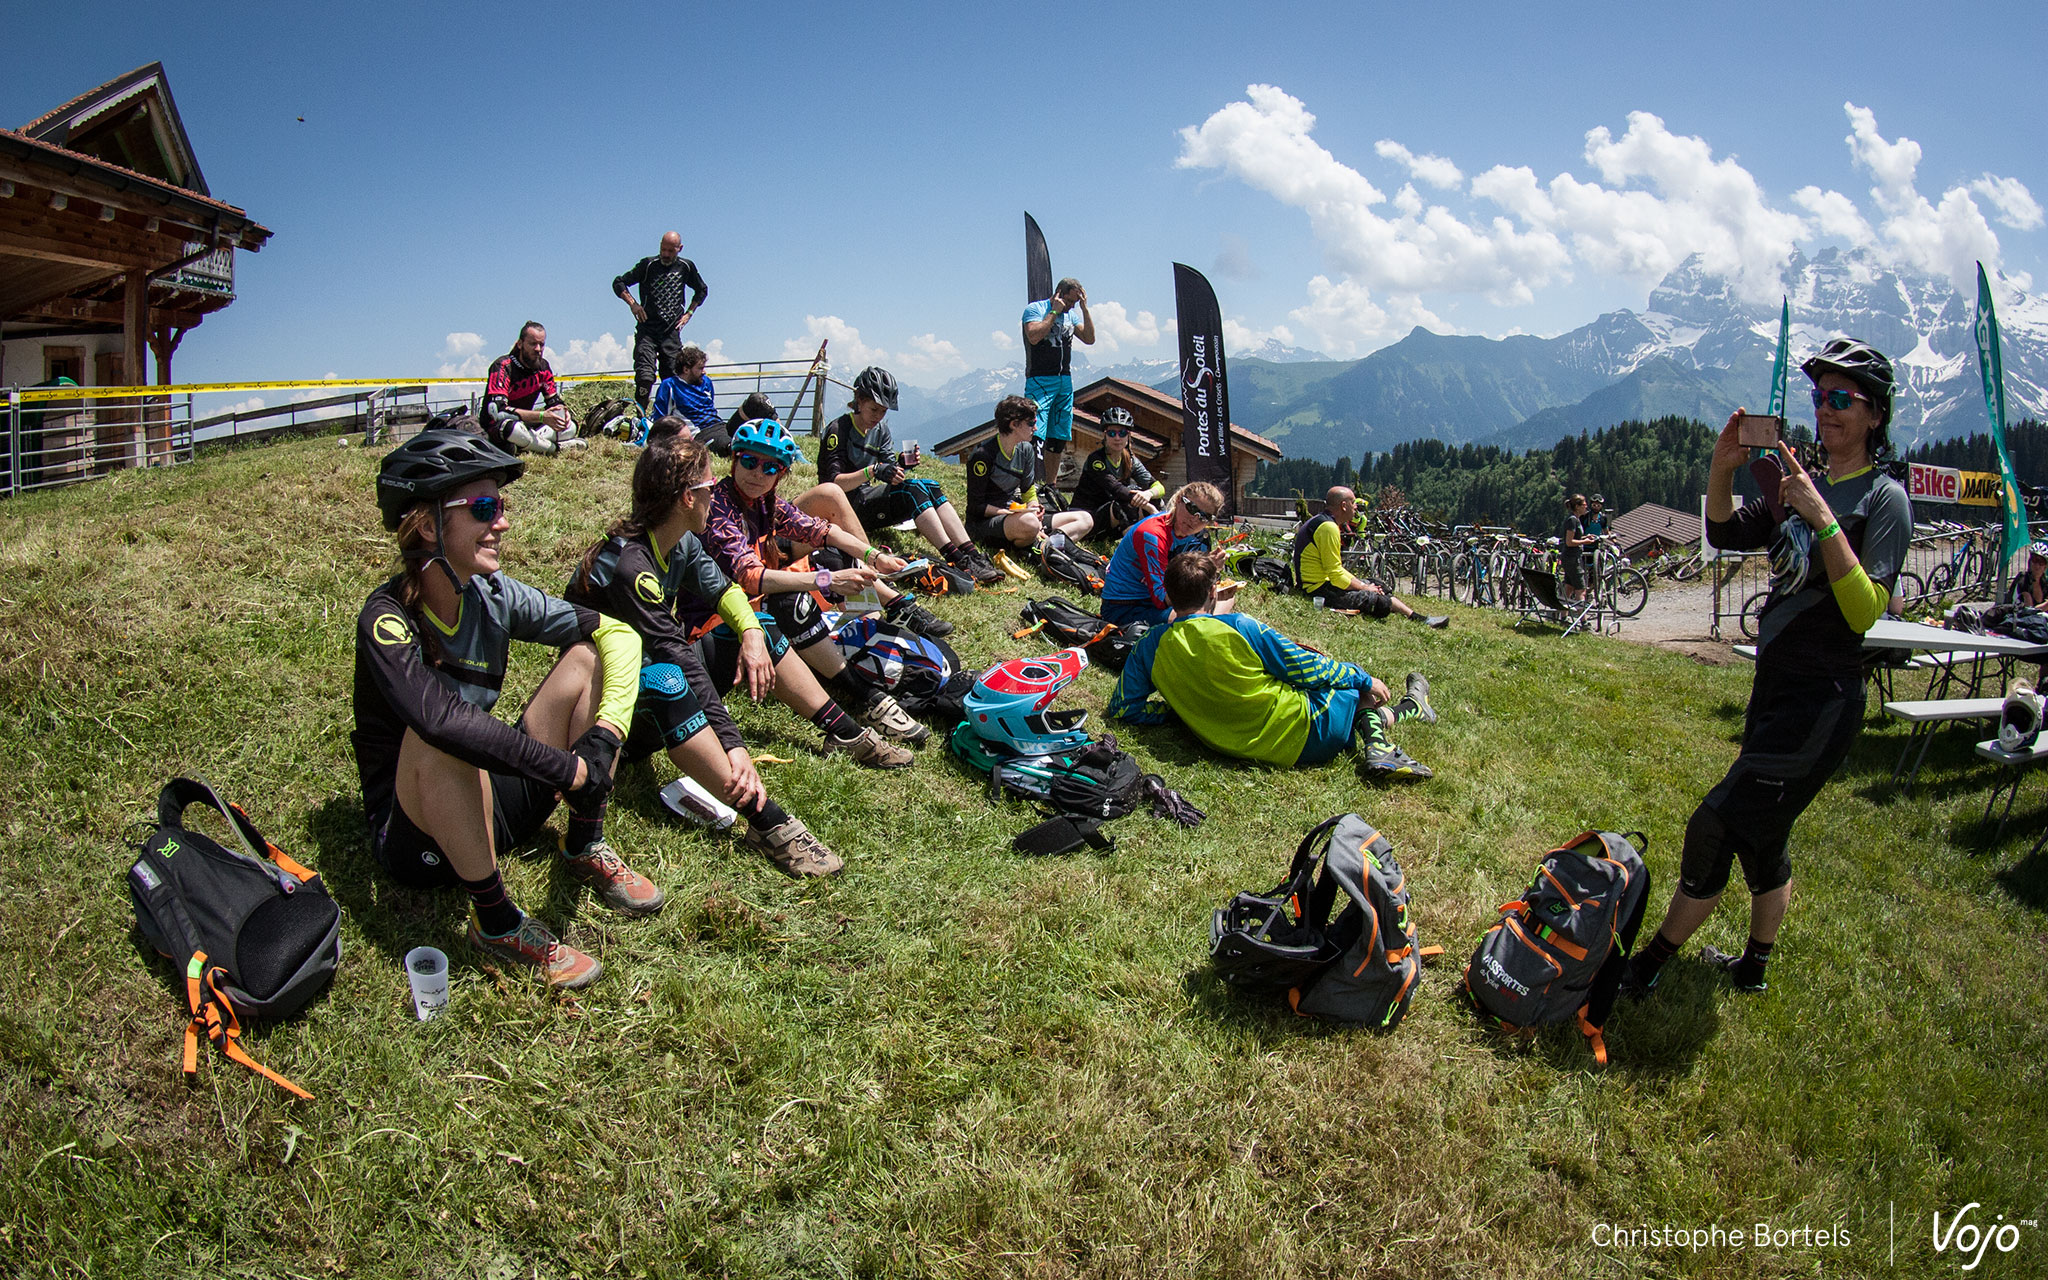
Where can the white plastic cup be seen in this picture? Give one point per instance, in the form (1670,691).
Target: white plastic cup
(693,804)
(426,968)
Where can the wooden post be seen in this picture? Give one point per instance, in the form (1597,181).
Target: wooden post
(114,434)
(163,342)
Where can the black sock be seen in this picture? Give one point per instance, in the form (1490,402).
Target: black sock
(583,832)
(1749,971)
(765,815)
(850,690)
(495,914)
(836,723)
(1650,961)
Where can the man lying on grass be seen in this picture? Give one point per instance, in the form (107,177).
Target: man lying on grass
(448,787)
(1248,691)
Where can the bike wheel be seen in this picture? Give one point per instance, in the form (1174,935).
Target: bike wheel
(1751,609)
(1940,580)
(1462,580)
(1627,592)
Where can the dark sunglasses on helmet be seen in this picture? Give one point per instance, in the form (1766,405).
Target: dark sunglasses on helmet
(1204,516)
(1840,398)
(484,508)
(765,466)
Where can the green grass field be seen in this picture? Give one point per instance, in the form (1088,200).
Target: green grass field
(953,1061)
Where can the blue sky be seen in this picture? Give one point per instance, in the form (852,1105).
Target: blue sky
(844,170)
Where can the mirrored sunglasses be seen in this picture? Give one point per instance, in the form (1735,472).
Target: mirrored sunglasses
(1839,398)
(766,466)
(484,508)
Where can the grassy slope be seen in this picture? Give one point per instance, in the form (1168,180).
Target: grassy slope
(950,1061)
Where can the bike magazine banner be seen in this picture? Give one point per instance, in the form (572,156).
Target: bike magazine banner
(1777,409)
(1992,365)
(1037,263)
(1946,484)
(1204,389)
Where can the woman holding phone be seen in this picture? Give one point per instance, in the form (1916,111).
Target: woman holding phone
(1837,542)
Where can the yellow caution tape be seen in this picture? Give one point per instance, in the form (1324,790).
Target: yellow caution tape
(37,395)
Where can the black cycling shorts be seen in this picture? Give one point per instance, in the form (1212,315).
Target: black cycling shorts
(988,531)
(520,807)
(721,650)
(654,354)
(1373,604)
(1796,734)
(880,506)
(798,616)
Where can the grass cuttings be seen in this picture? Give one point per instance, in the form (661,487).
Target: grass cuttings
(952,1061)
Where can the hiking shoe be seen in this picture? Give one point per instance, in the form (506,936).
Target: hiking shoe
(906,612)
(1633,987)
(1417,697)
(571,445)
(976,565)
(622,888)
(886,716)
(1715,958)
(1435,623)
(870,750)
(793,848)
(535,946)
(1392,762)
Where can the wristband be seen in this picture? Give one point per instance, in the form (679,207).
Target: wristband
(867,554)
(1834,527)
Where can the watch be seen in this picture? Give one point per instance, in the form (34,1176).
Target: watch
(824,579)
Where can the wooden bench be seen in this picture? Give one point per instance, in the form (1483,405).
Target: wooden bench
(1924,716)
(2017,762)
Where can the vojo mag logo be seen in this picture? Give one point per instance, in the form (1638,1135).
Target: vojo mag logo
(1970,1239)
(389,628)
(648,587)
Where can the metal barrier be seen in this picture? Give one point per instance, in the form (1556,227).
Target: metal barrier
(367,411)
(51,443)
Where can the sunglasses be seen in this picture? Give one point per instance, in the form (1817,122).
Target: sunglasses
(484,508)
(1115,431)
(1839,398)
(762,465)
(1199,514)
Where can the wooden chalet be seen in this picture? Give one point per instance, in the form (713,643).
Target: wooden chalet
(112,247)
(1156,439)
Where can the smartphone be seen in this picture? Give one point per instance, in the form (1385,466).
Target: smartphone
(1759,430)
(908,571)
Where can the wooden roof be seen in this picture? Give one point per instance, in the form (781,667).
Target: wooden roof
(1654,521)
(1158,422)
(103,186)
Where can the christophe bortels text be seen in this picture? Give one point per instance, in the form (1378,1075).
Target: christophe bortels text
(1761,1235)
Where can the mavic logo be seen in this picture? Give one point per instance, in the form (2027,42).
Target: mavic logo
(649,588)
(389,628)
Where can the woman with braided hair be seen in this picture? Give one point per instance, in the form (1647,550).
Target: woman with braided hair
(447,787)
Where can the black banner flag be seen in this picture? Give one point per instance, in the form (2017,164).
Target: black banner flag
(1037,263)
(1204,390)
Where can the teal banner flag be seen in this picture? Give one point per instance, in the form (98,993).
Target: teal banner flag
(1777,409)
(1992,365)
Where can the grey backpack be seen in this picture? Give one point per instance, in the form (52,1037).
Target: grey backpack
(1556,954)
(1360,967)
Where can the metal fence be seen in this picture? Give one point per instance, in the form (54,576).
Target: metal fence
(56,442)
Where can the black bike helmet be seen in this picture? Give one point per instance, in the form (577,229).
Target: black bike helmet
(434,462)
(877,384)
(1866,367)
(1118,416)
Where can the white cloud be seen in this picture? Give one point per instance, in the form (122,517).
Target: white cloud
(2016,206)
(1116,327)
(250,405)
(1001,340)
(602,354)
(1433,170)
(1649,200)
(925,357)
(462,356)
(929,354)
(1238,336)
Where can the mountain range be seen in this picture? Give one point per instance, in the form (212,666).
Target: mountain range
(1697,350)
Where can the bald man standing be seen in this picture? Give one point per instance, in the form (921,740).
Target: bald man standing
(660,315)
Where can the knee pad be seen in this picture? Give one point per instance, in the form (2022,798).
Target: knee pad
(666,694)
(1764,872)
(1704,863)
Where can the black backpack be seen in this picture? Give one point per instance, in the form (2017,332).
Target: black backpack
(1070,626)
(1360,967)
(1556,954)
(1267,571)
(1068,561)
(256,933)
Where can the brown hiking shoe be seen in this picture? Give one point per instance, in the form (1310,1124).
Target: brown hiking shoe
(885,716)
(618,885)
(870,751)
(534,946)
(793,848)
